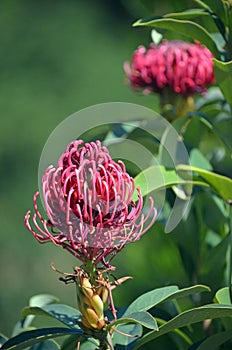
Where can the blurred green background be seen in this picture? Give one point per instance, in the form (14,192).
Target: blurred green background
(56,58)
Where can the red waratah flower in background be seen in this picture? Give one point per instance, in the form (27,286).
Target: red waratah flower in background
(87,198)
(183,67)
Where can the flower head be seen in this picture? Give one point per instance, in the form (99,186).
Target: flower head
(183,67)
(88,201)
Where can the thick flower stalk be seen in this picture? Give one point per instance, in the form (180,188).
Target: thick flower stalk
(91,300)
(88,201)
(183,67)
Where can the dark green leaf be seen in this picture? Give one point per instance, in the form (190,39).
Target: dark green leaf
(222,185)
(215,341)
(64,313)
(26,339)
(216,6)
(186,318)
(215,258)
(223,74)
(184,27)
(3,339)
(143,318)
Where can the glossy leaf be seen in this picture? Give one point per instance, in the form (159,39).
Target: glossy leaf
(184,27)
(223,74)
(63,313)
(215,341)
(159,295)
(158,177)
(186,318)
(26,339)
(222,185)
(223,296)
(142,318)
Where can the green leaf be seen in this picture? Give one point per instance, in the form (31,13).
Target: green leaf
(70,343)
(223,74)
(150,299)
(187,14)
(198,159)
(157,177)
(48,344)
(215,341)
(26,339)
(214,258)
(222,185)
(42,300)
(37,300)
(87,345)
(143,318)
(223,296)
(184,27)
(186,318)
(63,313)
(133,330)
(216,6)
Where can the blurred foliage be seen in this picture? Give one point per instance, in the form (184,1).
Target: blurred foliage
(56,58)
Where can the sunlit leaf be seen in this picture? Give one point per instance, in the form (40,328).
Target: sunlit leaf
(223,296)
(187,14)
(184,27)
(143,318)
(222,185)
(43,299)
(158,177)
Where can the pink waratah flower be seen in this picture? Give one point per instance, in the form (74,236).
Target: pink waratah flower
(87,198)
(183,67)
